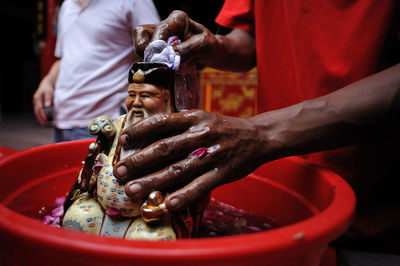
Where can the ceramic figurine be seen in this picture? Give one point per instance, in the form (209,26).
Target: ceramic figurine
(97,202)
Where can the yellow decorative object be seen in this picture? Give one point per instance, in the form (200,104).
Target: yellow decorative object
(85,215)
(139,229)
(110,193)
(153,210)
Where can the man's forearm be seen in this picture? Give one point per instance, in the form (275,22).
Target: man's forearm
(367,108)
(234,52)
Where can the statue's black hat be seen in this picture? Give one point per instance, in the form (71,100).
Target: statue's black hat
(154,73)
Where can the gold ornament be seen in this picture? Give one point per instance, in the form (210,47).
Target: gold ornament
(138,76)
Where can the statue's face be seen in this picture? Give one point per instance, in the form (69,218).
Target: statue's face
(146,99)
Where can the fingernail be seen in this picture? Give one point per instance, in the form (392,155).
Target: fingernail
(174,202)
(135,188)
(122,171)
(124,139)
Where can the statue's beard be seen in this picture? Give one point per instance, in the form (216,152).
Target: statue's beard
(134,115)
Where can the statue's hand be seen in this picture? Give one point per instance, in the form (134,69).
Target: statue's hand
(226,149)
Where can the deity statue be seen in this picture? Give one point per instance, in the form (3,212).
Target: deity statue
(97,202)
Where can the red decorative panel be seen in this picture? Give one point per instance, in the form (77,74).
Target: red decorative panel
(229,93)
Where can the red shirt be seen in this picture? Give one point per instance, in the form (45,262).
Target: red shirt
(307,49)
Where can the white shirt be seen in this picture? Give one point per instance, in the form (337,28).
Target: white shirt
(96,49)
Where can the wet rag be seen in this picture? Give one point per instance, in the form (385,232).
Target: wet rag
(161,51)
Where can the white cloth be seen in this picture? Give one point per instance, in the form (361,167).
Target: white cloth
(95,45)
(160,51)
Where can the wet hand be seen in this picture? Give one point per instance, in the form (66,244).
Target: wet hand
(226,149)
(198,44)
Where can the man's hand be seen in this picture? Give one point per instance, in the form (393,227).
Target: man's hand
(43,98)
(198,43)
(199,47)
(231,147)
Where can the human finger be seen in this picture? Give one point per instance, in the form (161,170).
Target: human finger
(177,23)
(198,46)
(156,125)
(174,175)
(48,98)
(195,48)
(38,100)
(155,156)
(40,116)
(194,192)
(142,36)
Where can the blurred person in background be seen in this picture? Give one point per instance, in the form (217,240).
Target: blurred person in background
(95,51)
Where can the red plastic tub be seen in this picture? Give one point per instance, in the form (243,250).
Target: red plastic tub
(313,207)
(4,152)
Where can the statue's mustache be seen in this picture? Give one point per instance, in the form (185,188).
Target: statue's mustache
(130,120)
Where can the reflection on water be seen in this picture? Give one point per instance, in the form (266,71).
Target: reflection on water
(220,219)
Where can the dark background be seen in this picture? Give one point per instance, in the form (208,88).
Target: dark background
(20,64)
